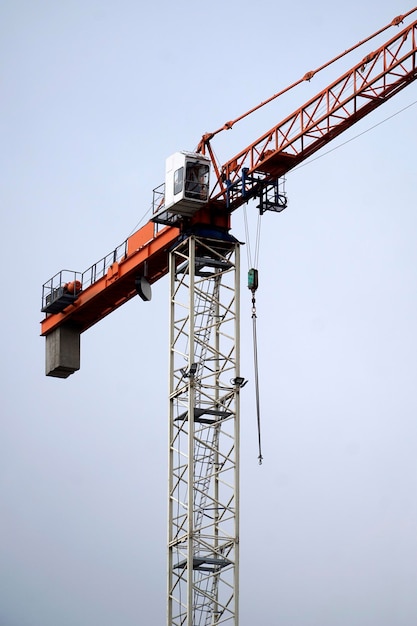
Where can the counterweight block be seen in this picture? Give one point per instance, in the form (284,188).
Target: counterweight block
(62,352)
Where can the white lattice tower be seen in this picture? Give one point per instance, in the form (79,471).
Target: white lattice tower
(203,539)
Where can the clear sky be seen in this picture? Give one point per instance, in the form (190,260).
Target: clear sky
(95,95)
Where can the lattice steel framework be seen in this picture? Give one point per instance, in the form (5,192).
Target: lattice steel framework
(203,550)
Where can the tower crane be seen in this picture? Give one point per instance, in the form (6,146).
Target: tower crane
(189,238)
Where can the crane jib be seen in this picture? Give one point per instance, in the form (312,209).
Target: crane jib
(377,78)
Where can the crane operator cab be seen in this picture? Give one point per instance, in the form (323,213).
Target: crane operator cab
(187,181)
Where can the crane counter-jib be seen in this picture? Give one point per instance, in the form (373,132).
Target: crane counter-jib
(146,252)
(83,299)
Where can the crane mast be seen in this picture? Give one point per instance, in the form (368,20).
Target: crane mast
(188,238)
(204,432)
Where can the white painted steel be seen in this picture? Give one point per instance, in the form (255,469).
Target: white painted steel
(203,524)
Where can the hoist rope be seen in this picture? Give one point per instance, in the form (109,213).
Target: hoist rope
(247,238)
(253,286)
(258,240)
(256,368)
(252,262)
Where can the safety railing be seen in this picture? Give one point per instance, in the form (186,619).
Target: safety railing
(65,286)
(61,290)
(99,269)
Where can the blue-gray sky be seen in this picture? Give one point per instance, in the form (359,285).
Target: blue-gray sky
(95,96)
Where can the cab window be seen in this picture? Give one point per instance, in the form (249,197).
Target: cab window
(178,180)
(196,181)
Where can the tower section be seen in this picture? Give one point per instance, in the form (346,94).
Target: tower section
(203,525)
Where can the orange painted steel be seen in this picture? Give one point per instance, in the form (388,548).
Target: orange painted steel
(307,76)
(146,254)
(373,81)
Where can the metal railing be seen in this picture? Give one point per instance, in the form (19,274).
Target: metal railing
(99,269)
(66,285)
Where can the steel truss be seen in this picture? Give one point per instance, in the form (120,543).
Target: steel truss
(203,554)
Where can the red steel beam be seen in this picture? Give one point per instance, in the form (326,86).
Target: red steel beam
(147,255)
(380,75)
